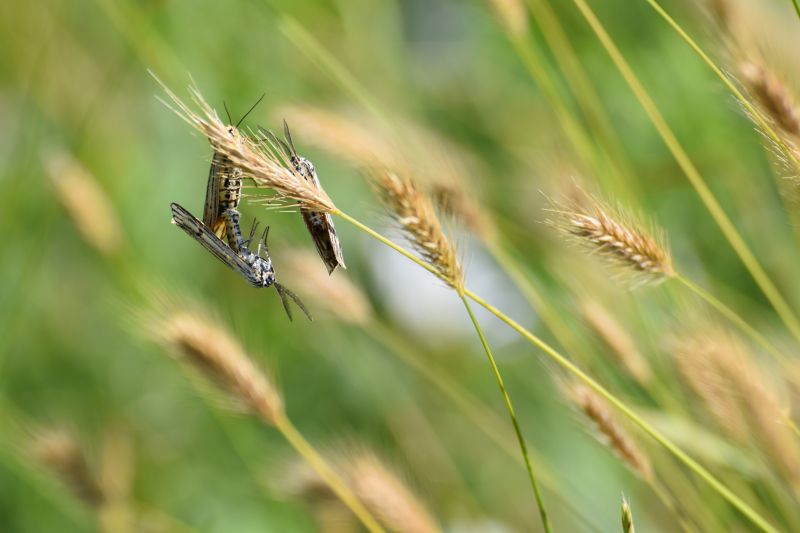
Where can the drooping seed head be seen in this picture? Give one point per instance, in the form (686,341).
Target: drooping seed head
(609,429)
(86,202)
(260,161)
(60,452)
(205,344)
(616,237)
(416,216)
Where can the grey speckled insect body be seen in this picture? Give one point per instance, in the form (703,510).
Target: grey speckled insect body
(320,225)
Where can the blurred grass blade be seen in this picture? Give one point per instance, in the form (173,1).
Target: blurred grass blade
(570,367)
(725,224)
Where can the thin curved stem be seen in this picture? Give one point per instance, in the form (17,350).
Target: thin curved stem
(331,478)
(695,178)
(693,465)
(510,408)
(763,124)
(567,365)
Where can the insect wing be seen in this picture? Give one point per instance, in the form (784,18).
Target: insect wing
(211,212)
(208,240)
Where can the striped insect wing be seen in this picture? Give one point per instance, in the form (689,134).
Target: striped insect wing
(223,190)
(209,240)
(319,224)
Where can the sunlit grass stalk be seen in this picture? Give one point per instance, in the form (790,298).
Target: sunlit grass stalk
(321,467)
(200,342)
(763,124)
(570,367)
(534,63)
(546,312)
(695,178)
(585,94)
(415,214)
(520,438)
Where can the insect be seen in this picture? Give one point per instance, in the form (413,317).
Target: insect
(224,187)
(255,268)
(320,225)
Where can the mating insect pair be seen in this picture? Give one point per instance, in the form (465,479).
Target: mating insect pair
(221,218)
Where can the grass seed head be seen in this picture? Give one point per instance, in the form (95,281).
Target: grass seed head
(386,496)
(626,516)
(260,161)
(616,237)
(619,343)
(735,391)
(86,203)
(773,96)
(612,432)
(414,212)
(206,345)
(512,15)
(60,452)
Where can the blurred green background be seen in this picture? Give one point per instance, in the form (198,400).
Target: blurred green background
(73,79)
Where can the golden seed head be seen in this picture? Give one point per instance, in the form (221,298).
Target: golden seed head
(512,15)
(617,340)
(386,496)
(615,237)
(58,451)
(612,432)
(337,295)
(735,391)
(773,96)
(414,212)
(86,202)
(435,162)
(261,161)
(343,136)
(208,346)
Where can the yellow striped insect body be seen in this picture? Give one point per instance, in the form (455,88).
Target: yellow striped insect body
(319,224)
(224,187)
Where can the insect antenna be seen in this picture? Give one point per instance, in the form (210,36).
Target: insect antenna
(288,135)
(275,141)
(230,120)
(284,291)
(250,110)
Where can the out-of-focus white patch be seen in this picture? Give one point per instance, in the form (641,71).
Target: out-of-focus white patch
(435,315)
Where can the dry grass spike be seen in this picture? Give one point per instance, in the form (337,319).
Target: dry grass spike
(512,15)
(259,160)
(773,95)
(615,436)
(375,484)
(86,202)
(735,391)
(202,342)
(619,343)
(414,212)
(615,236)
(59,451)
